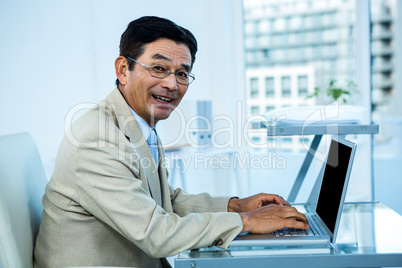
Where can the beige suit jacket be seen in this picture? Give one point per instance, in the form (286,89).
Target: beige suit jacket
(108,204)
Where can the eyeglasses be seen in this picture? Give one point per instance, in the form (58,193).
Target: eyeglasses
(161,71)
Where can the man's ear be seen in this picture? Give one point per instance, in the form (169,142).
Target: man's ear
(121,67)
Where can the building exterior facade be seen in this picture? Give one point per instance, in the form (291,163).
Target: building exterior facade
(314,40)
(271,89)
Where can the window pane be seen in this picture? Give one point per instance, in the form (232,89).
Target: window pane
(320,38)
(269,87)
(302,84)
(255,110)
(386,68)
(286,89)
(317,37)
(254,87)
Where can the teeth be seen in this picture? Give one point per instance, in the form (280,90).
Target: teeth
(163,99)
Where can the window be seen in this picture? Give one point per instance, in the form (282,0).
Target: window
(300,52)
(253,88)
(250,42)
(286,89)
(250,28)
(280,24)
(323,36)
(264,41)
(251,56)
(269,87)
(255,110)
(295,22)
(317,36)
(280,39)
(266,53)
(293,39)
(317,50)
(256,139)
(280,54)
(302,85)
(264,26)
(326,19)
(317,19)
(309,51)
(287,140)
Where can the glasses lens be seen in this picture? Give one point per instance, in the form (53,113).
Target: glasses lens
(190,78)
(160,71)
(184,78)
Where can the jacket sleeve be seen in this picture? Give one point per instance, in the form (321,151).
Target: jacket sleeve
(184,203)
(109,187)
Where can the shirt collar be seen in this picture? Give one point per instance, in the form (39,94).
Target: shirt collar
(145,128)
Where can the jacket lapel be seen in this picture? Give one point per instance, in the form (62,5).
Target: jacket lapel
(129,126)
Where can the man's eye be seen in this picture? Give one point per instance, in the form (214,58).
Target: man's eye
(182,74)
(159,68)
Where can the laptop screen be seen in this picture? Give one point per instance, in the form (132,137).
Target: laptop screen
(333,183)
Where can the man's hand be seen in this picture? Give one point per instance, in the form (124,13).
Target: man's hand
(268,219)
(256,201)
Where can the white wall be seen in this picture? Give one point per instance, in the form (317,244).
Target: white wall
(57,54)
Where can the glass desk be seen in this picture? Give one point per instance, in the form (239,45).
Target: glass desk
(370,235)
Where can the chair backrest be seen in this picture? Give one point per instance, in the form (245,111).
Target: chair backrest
(22,185)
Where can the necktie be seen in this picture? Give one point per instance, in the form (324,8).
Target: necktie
(153,145)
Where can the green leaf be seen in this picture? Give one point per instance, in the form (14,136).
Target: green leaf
(315,94)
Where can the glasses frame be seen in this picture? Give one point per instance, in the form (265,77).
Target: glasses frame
(167,73)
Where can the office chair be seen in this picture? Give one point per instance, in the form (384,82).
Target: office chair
(22,185)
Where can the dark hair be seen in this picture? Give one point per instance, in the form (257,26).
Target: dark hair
(148,29)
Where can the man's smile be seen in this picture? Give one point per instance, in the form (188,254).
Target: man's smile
(162,98)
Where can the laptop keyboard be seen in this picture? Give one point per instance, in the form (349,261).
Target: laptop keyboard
(295,232)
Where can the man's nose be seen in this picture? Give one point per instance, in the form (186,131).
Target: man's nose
(170,82)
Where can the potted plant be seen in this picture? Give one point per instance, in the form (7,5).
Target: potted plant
(334,92)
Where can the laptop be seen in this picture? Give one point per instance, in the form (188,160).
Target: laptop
(324,218)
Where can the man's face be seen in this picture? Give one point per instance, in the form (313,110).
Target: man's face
(153,98)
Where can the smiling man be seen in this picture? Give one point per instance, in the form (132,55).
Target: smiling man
(103,206)
(153,91)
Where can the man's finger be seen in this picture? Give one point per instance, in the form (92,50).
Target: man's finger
(293,223)
(285,203)
(270,198)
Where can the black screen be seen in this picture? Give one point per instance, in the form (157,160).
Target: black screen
(333,182)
